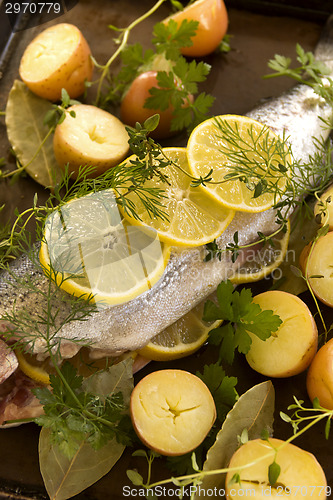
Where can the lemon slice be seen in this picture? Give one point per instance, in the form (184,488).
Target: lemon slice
(224,143)
(91,252)
(85,365)
(34,369)
(259,261)
(182,338)
(194,217)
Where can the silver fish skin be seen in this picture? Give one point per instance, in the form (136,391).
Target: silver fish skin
(187,279)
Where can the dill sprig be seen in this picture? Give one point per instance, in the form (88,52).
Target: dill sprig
(305,181)
(255,158)
(130,175)
(73,412)
(40,327)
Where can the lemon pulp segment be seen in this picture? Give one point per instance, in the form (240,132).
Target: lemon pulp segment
(194,218)
(90,251)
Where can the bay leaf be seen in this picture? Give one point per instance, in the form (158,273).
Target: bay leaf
(118,378)
(64,477)
(253,411)
(25,114)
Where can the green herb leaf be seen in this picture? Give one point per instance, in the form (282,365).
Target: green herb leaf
(274,471)
(242,315)
(244,437)
(134,477)
(221,386)
(223,310)
(171,37)
(265,435)
(225,46)
(175,89)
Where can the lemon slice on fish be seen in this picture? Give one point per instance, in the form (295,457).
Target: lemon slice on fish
(91,252)
(34,369)
(40,370)
(194,218)
(232,143)
(182,338)
(259,261)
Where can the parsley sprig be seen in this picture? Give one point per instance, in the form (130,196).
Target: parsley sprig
(241,315)
(177,78)
(122,42)
(74,414)
(310,72)
(176,87)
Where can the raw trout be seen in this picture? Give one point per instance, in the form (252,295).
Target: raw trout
(187,279)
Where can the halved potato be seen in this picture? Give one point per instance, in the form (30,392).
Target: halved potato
(57,58)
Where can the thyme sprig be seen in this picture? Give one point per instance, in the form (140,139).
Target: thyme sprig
(302,415)
(308,416)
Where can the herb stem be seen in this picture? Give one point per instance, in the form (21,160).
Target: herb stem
(32,213)
(292,75)
(200,475)
(124,38)
(307,280)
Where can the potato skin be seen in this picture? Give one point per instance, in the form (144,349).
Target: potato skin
(71,75)
(319,382)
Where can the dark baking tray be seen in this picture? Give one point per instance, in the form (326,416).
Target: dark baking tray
(258,32)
